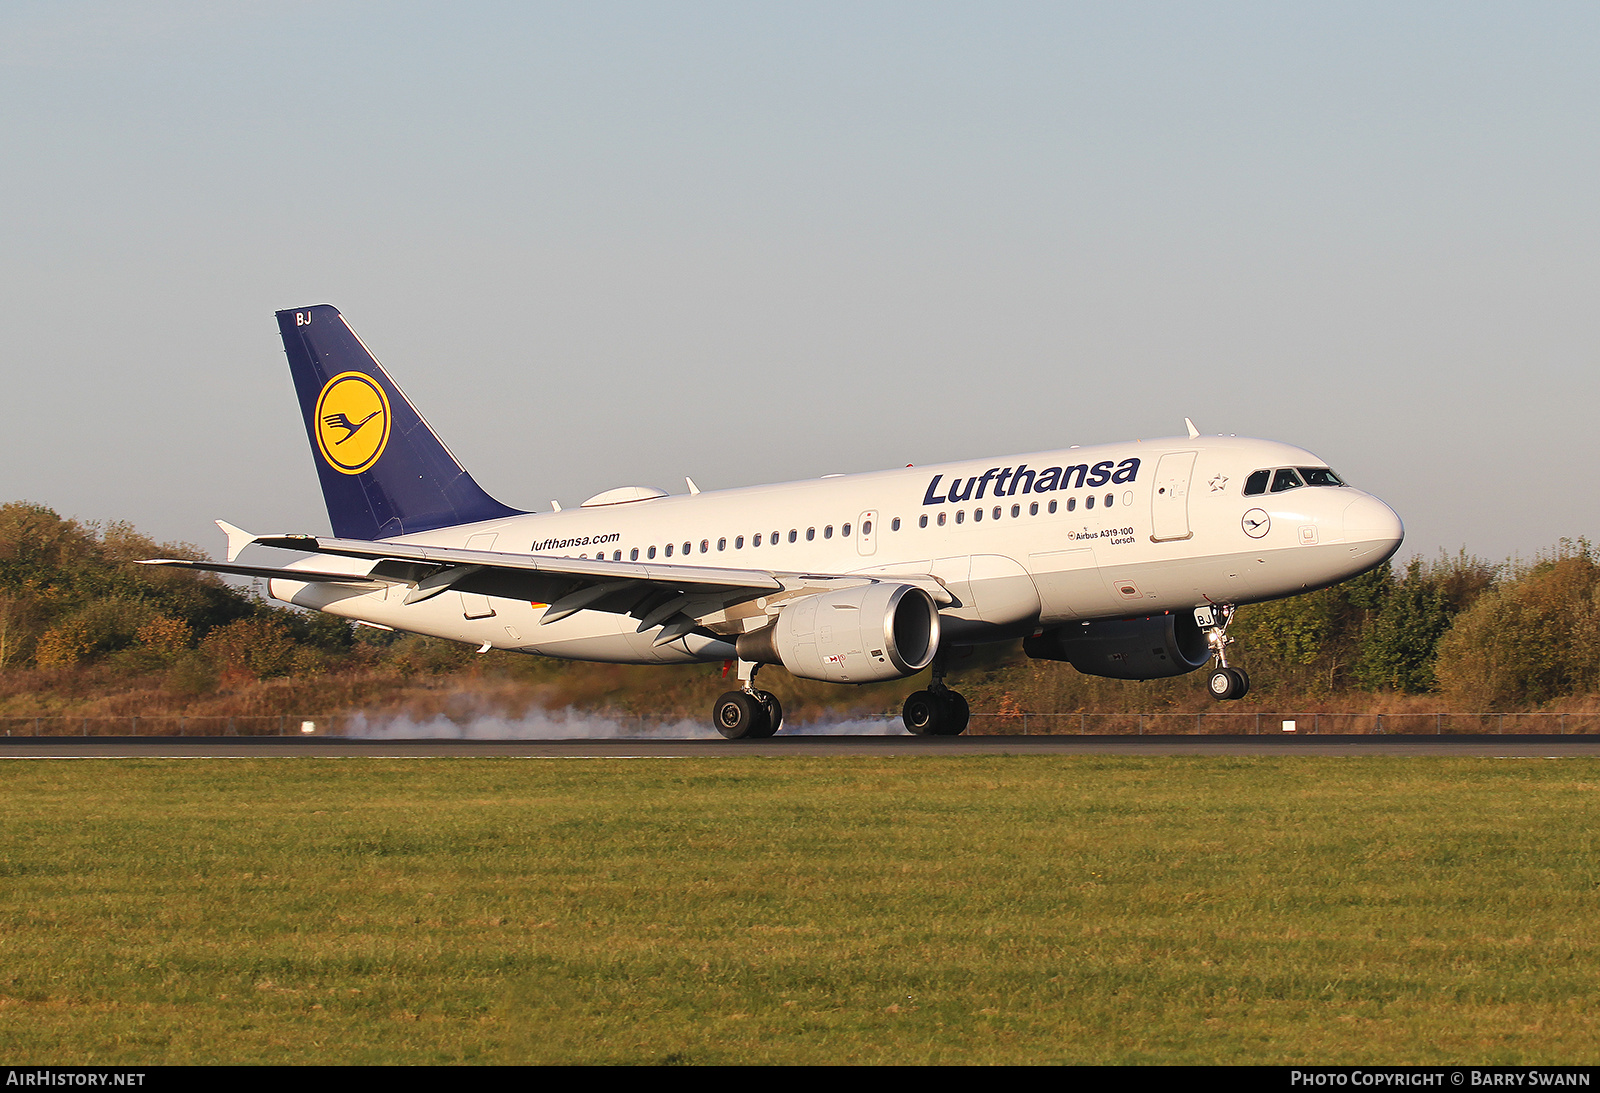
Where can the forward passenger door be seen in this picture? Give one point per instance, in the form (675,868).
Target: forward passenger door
(1169,499)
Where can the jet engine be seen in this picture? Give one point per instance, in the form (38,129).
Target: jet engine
(864,634)
(1146,648)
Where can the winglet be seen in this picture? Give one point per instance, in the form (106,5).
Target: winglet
(238,539)
(1193,432)
(694,490)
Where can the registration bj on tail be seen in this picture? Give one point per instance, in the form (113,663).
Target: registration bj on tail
(1125,560)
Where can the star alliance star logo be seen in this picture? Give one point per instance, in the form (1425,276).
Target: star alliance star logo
(1218,483)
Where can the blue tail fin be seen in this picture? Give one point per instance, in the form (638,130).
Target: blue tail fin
(384,472)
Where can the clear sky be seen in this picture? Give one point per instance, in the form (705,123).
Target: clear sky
(606,244)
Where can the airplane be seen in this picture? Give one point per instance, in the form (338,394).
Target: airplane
(1125,560)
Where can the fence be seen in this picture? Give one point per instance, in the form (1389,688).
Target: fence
(1280,724)
(167,725)
(985,724)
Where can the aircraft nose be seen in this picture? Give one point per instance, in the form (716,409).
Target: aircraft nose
(1368,520)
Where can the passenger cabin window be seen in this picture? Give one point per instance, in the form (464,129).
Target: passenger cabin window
(755,540)
(1016,511)
(633,555)
(1284,478)
(977,514)
(1088,502)
(793,535)
(961,516)
(722,544)
(811,534)
(941,519)
(652,553)
(922,522)
(845,531)
(1256,483)
(866,526)
(705,545)
(827,532)
(774,539)
(1109,498)
(1033,508)
(669,550)
(1053,506)
(738,542)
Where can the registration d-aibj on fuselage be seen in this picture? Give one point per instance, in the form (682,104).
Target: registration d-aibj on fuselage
(1126,560)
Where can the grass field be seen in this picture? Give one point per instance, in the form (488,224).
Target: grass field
(977,910)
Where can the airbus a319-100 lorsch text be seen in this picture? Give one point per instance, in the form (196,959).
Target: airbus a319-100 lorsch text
(1125,560)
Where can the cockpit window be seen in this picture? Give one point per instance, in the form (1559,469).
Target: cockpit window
(1289,478)
(1284,478)
(1320,476)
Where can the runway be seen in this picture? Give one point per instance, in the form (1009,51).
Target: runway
(223,747)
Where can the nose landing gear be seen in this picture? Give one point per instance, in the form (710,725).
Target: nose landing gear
(1228,683)
(1224,683)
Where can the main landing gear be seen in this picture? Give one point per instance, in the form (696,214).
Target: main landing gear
(938,711)
(747,714)
(1224,683)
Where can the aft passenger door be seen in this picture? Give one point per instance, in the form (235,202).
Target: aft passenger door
(1169,500)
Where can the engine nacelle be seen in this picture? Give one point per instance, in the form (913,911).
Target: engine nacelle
(853,635)
(1147,648)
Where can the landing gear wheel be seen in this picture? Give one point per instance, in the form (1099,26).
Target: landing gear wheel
(958,711)
(1228,683)
(935,713)
(740,716)
(774,711)
(922,714)
(1220,684)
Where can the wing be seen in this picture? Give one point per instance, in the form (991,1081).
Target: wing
(678,598)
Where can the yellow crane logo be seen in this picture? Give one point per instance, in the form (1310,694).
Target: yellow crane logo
(352,422)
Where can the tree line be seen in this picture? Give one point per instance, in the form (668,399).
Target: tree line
(71,596)
(1482,635)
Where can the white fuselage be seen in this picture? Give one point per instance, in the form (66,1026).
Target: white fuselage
(1115,531)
